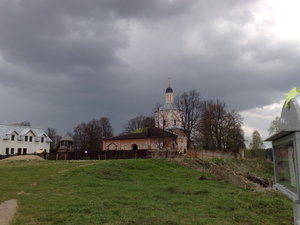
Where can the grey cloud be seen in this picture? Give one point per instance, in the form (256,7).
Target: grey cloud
(49,42)
(77,60)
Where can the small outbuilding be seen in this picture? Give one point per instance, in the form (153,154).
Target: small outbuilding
(286,155)
(66,144)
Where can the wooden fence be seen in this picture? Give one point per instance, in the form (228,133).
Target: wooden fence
(103,155)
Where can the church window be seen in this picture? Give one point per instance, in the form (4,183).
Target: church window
(174,122)
(12,137)
(164,122)
(134,147)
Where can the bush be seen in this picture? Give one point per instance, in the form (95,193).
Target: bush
(257,153)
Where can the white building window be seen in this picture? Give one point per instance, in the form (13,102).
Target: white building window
(26,138)
(12,151)
(12,137)
(42,139)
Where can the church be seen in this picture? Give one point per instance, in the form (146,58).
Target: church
(168,133)
(168,116)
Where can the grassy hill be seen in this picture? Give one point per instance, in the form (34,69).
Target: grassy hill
(136,192)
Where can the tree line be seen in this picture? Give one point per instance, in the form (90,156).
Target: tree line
(87,136)
(256,144)
(208,123)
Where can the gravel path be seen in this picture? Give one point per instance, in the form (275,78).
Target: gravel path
(7,211)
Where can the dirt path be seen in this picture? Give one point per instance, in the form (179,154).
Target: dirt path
(7,211)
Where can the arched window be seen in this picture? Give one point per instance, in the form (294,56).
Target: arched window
(134,147)
(112,146)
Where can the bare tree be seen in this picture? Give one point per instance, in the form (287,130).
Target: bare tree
(94,135)
(80,137)
(219,129)
(213,121)
(106,128)
(89,136)
(52,134)
(138,123)
(190,104)
(23,123)
(233,138)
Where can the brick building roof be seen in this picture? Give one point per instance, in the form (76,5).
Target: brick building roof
(153,132)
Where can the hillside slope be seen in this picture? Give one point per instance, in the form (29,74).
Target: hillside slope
(132,192)
(255,174)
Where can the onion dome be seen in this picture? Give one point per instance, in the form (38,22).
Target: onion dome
(169,90)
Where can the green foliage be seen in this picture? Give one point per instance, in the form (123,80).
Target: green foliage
(140,130)
(274,126)
(257,142)
(139,122)
(132,192)
(256,153)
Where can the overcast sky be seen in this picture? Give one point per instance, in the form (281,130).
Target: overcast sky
(63,62)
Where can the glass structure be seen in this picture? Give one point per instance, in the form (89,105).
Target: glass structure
(286,166)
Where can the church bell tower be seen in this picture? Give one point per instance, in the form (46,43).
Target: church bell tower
(169,94)
(168,115)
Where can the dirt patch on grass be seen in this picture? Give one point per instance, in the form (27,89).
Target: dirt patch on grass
(7,211)
(23,193)
(234,174)
(23,157)
(72,168)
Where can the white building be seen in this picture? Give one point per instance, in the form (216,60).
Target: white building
(168,116)
(22,140)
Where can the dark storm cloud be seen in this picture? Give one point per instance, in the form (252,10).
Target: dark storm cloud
(49,41)
(73,60)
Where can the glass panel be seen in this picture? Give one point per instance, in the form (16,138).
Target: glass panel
(286,166)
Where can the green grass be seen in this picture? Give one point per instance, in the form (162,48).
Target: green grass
(132,192)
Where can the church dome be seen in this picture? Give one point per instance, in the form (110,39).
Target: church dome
(169,90)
